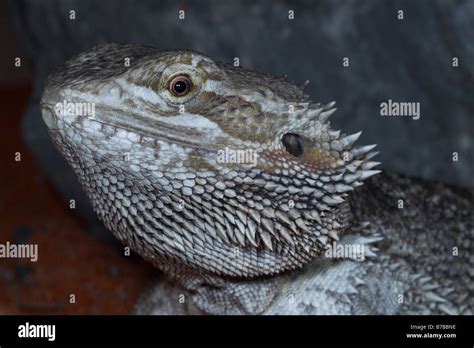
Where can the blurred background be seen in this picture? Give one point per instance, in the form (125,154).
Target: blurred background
(408,59)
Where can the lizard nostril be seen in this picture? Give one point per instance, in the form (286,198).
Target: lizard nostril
(48,117)
(293,143)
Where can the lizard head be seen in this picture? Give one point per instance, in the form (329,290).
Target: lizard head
(201,164)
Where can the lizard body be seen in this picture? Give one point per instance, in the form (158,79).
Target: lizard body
(247,237)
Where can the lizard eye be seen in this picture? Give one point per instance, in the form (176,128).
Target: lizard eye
(180,85)
(293,143)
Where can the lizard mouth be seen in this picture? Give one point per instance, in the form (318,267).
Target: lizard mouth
(138,128)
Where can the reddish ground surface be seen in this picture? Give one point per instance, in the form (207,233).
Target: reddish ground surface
(71,261)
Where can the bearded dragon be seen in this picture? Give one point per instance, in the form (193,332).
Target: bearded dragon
(293,231)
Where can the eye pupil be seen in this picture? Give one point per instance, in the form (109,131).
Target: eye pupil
(180,85)
(293,143)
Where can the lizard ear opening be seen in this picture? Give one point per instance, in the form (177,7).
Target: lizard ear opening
(293,143)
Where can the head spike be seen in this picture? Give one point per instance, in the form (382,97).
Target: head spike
(371,154)
(368,173)
(370,165)
(304,85)
(314,112)
(361,150)
(325,115)
(329,105)
(349,140)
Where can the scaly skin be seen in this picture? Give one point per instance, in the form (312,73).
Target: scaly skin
(251,237)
